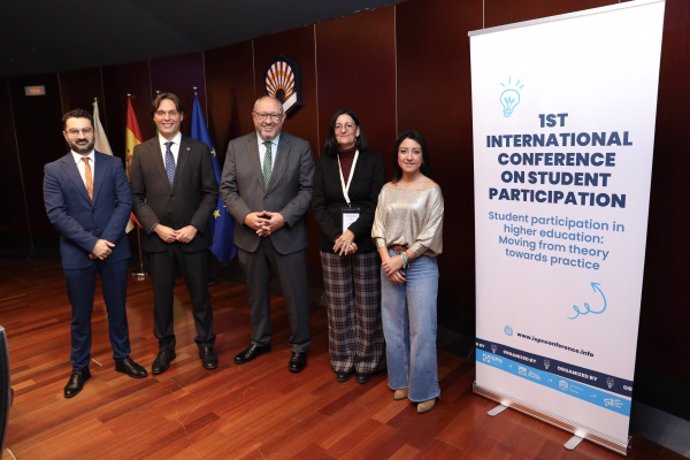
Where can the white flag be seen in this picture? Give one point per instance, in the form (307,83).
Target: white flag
(101,143)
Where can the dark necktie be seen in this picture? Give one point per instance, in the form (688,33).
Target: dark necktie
(169,162)
(268,160)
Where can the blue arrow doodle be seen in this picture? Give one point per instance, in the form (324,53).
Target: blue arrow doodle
(596,287)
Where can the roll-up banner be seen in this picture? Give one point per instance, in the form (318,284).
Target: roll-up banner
(564,110)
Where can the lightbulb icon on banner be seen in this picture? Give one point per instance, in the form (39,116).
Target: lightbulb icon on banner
(510,97)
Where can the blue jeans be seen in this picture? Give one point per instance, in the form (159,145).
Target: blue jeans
(409,325)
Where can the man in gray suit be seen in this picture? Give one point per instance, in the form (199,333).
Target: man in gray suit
(266,186)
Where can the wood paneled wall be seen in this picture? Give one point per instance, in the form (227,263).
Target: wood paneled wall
(399,67)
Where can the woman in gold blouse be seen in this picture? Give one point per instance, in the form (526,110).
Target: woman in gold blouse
(408,231)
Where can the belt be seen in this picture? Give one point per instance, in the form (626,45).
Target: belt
(398,248)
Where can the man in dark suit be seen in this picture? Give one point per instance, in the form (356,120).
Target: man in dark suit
(175,192)
(266,186)
(88,200)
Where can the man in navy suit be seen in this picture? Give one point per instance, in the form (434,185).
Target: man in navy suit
(88,200)
(175,192)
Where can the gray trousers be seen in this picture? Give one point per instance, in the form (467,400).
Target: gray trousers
(291,270)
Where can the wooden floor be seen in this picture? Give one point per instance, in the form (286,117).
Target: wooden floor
(255,411)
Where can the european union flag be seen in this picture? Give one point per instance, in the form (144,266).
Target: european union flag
(222,225)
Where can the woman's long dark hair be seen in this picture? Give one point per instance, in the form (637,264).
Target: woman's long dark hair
(426,159)
(331,144)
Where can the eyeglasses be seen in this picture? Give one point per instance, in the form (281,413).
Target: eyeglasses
(346,126)
(273,116)
(170,113)
(75,132)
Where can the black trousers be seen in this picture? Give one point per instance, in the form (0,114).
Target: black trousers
(194,266)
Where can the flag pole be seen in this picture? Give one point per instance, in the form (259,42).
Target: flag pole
(140,274)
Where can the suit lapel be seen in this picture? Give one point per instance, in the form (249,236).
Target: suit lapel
(100,167)
(156,153)
(69,167)
(182,158)
(281,161)
(254,161)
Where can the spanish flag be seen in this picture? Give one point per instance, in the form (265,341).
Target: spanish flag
(132,139)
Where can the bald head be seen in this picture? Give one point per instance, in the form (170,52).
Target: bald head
(268,117)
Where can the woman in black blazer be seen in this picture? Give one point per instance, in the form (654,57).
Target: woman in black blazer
(347,183)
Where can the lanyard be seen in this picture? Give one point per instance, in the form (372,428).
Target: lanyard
(346,187)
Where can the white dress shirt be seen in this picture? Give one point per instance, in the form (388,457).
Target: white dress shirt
(262,150)
(81,166)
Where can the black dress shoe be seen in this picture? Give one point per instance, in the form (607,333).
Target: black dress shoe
(362,378)
(298,361)
(131,368)
(76,382)
(251,352)
(209,360)
(162,361)
(343,376)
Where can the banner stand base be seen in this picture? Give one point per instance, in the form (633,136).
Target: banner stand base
(140,275)
(573,442)
(496,410)
(581,432)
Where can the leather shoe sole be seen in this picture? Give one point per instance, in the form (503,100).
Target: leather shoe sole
(298,361)
(131,368)
(162,361)
(209,359)
(251,352)
(76,382)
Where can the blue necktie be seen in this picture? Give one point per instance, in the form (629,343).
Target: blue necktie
(169,162)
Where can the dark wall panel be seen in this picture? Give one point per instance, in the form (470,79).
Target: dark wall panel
(357,70)
(118,81)
(40,140)
(434,98)
(666,293)
(179,74)
(230,93)
(15,238)
(78,88)
(499,12)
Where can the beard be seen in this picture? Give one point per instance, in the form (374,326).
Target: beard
(81,145)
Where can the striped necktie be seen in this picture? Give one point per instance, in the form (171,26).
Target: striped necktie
(268,163)
(169,162)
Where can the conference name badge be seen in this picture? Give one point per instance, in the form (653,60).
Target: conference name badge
(350,216)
